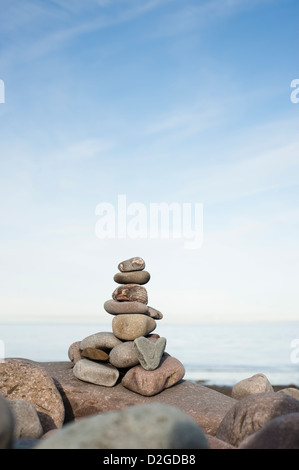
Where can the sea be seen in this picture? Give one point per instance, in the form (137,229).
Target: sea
(212,354)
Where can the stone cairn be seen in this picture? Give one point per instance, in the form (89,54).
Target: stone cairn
(131,353)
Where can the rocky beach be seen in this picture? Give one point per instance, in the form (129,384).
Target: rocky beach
(120,389)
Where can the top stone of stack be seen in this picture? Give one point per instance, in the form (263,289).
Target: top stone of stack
(132,264)
(132,272)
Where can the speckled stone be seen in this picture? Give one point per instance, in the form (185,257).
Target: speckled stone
(258,383)
(149,383)
(21,379)
(103,340)
(124,355)
(129,327)
(132,264)
(96,373)
(133,277)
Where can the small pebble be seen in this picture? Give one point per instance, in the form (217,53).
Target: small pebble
(132,264)
(114,307)
(124,355)
(95,354)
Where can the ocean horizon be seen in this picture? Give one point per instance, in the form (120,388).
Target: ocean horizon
(212,353)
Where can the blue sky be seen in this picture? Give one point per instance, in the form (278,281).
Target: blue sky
(162,101)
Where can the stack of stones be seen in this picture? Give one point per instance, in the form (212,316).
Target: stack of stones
(131,353)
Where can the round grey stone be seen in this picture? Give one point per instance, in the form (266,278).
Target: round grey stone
(153,426)
(258,383)
(27,422)
(123,355)
(96,372)
(103,340)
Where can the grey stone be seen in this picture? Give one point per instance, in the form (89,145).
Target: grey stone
(132,264)
(154,426)
(258,383)
(206,406)
(22,379)
(129,327)
(115,307)
(280,433)
(252,413)
(6,424)
(27,422)
(154,313)
(103,340)
(74,352)
(149,351)
(96,372)
(133,277)
(123,355)
(25,443)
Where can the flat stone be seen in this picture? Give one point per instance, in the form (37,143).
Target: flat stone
(74,352)
(124,355)
(154,426)
(149,383)
(258,383)
(95,354)
(130,293)
(132,264)
(115,308)
(129,327)
(27,422)
(21,379)
(149,351)
(103,340)
(6,424)
(96,373)
(280,433)
(154,313)
(133,277)
(205,405)
(252,413)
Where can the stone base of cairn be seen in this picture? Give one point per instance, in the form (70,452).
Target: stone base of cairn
(131,353)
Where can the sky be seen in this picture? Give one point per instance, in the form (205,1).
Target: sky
(185,102)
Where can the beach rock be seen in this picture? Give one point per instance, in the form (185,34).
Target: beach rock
(154,313)
(258,383)
(252,413)
(154,426)
(133,277)
(74,352)
(95,354)
(205,405)
(129,327)
(114,307)
(215,443)
(293,392)
(6,424)
(124,355)
(280,433)
(103,340)
(132,264)
(27,423)
(96,373)
(21,379)
(149,383)
(130,293)
(149,351)
(25,443)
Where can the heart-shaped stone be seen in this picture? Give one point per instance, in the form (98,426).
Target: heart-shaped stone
(149,351)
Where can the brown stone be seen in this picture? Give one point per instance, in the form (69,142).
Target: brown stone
(206,406)
(21,379)
(132,264)
(130,293)
(129,327)
(115,308)
(280,433)
(74,352)
(152,382)
(95,354)
(252,413)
